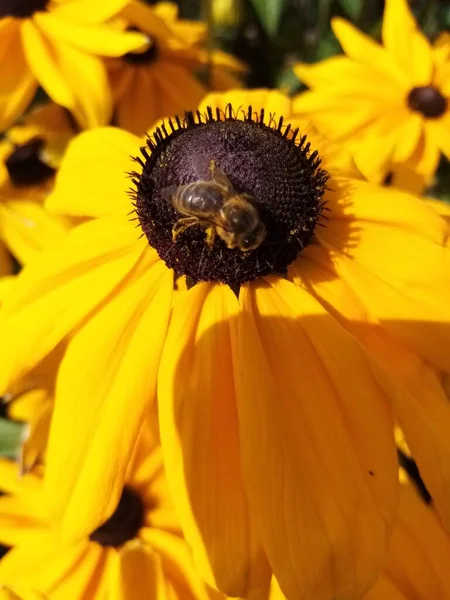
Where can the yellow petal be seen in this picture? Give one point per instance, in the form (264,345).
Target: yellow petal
(196,402)
(146,18)
(17,83)
(34,446)
(86,11)
(103,156)
(27,228)
(109,361)
(272,101)
(439,132)
(341,74)
(141,102)
(363,49)
(419,552)
(42,566)
(18,524)
(9,594)
(318,455)
(96,256)
(409,138)
(43,62)
(92,103)
(399,273)
(177,563)
(138,574)
(417,397)
(407,45)
(95,39)
(169,77)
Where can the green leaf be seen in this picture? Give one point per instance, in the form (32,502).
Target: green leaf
(269,13)
(352,8)
(11,437)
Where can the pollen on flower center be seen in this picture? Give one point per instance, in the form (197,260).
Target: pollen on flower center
(427,100)
(24,164)
(142,58)
(21,8)
(124,523)
(255,197)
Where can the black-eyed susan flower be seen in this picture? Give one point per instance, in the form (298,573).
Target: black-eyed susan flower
(30,155)
(57,44)
(275,421)
(389,104)
(137,553)
(162,80)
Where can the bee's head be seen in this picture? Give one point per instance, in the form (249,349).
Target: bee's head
(240,215)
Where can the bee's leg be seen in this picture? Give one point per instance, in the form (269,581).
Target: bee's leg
(212,166)
(181,225)
(210,235)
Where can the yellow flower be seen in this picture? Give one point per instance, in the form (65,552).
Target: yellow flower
(275,421)
(29,157)
(57,44)
(161,81)
(137,553)
(389,104)
(31,400)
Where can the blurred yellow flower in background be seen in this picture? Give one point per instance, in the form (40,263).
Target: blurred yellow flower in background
(30,154)
(388,104)
(137,553)
(245,481)
(162,81)
(58,44)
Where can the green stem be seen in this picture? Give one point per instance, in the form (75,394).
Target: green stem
(208,16)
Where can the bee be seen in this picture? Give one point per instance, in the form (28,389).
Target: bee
(215,204)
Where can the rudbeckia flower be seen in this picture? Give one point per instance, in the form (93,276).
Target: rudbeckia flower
(389,104)
(276,422)
(29,157)
(58,44)
(137,553)
(162,80)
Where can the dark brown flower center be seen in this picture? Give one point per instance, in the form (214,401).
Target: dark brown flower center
(226,199)
(25,166)
(124,523)
(21,8)
(142,58)
(427,100)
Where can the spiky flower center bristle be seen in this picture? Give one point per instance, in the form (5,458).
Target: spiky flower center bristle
(21,9)
(428,101)
(124,523)
(255,197)
(25,165)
